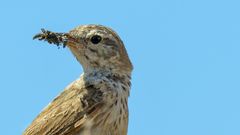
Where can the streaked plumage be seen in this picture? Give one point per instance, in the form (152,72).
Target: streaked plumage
(96,103)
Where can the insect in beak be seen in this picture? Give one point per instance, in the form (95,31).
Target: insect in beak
(59,39)
(53,37)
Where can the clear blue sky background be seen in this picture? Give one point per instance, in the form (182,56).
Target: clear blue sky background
(186,55)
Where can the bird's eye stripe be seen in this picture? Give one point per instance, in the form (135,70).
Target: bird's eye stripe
(109,42)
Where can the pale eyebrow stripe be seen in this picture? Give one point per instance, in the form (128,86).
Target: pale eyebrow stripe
(112,32)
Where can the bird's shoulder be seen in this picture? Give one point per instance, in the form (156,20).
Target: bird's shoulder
(66,113)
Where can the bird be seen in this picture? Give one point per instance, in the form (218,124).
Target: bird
(97,102)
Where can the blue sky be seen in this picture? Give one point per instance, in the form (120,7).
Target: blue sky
(186,56)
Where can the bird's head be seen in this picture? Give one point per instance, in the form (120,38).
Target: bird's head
(98,47)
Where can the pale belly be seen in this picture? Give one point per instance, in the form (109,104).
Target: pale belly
(112,122)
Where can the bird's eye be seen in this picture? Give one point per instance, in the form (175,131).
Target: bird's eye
(96,39)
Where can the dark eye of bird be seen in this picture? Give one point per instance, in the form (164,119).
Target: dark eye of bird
(96,39)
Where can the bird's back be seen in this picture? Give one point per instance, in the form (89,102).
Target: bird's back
(85,107)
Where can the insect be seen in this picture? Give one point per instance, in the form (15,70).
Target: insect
(52,37)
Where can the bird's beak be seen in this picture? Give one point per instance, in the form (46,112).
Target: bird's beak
(71,42)
(74,43)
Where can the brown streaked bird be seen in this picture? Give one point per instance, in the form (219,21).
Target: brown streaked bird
(97,102)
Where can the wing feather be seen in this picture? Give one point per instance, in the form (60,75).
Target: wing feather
(65,115)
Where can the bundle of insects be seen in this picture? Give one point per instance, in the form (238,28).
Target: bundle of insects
(52,37)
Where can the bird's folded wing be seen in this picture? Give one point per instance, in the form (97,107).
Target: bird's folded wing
(66,114)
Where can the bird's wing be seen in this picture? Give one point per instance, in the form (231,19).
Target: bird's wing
(66,114)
